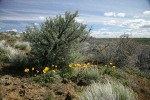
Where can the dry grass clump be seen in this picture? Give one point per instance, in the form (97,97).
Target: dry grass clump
(108,91)
(23,45)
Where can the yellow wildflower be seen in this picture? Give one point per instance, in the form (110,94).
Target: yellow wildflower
(113,67)
(105,65)
(46,69)
(32,68)
(78,65)
(70,65)
(53,71)
(26,70)
(55,66)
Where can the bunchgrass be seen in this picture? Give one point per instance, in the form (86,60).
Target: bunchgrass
(107,91)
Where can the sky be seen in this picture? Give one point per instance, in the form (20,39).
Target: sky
(108,18)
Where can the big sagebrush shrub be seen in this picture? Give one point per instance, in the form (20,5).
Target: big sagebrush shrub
(52,42)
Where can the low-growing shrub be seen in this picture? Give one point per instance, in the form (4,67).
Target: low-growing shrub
(107,91)
(3,56)
(18,62)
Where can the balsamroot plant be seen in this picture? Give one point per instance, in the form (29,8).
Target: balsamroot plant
(52,42)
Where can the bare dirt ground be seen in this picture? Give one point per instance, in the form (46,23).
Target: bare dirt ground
(12,88)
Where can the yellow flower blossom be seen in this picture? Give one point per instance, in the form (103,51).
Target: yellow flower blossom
(32,68)
(26,70)
(70,65)
(105,65)
(78,65)
(113,67)
(46,69)
(53,71)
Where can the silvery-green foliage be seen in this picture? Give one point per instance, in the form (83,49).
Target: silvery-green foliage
(107,91)
(52,42)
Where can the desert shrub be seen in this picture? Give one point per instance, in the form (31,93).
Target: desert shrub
(18,62)
(107,91)
(74,55)
(16,58)
(122,51)
(3,52)
(91,50)
(52,42)
(3,56)
(143,59)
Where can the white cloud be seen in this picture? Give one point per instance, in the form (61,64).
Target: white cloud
(105,34)
(15,30)
(109,14)
(41,17)
(113,14)
(36,24)
(0,28)
(132,34)
(103,29)
(79,20)
(121,14)
(136,23)
(110,22)
(136,16)
(129,23)
(146,12)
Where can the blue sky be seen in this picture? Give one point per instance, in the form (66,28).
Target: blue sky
(109,18)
